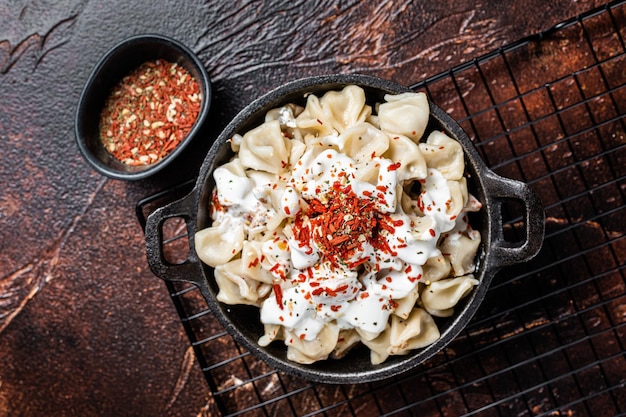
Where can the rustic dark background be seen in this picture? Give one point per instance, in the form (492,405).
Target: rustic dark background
(85,328)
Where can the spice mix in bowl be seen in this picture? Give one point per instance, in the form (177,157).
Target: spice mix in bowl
(143,104)
(344,218)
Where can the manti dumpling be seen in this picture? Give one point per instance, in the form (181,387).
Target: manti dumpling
(265,148)
(335,112)
(440,297)
(405,114)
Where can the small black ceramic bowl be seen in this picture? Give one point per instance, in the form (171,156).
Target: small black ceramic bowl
(118,62)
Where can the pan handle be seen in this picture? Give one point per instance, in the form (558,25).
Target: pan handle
(504,253)
(190,270)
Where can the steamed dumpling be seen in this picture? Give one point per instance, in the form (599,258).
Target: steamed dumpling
(405,114)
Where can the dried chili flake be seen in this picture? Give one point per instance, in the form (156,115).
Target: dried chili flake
(330,292)
(342,224)
(149,112)
(394,167)
(278,292)
(317,291)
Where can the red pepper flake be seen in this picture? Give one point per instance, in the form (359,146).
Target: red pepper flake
(287,211)
(341,288)
(276,269)
(254,263)
(330,292)
(339,240)
(341,225)
(149,112)
(317,291)
(278,292)
(394,167)
(413,279)
(364,294)
(432,232)
(420,203)
(408,269)
(389,279)
(335,308)
(302,336)
(354,265)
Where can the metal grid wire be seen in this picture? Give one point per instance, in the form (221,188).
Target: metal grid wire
(550,337)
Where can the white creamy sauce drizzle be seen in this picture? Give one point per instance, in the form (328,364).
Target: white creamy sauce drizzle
(315,292)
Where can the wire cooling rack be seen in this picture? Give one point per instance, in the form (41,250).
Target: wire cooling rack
(550,337)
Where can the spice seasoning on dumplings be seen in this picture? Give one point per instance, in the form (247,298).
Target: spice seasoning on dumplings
(149,112)
(341,227)
(347,232)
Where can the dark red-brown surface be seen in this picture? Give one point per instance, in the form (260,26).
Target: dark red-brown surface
(85,328)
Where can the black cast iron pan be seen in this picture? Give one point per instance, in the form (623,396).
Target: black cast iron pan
(243,321)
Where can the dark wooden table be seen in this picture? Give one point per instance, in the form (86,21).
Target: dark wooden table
(85,328)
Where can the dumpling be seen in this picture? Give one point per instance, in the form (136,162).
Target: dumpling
(265,148)
(312,120)
(417,331)
(345,108)
(378,346)
(334,112)
(363,142)
(461,251)
(436,268)
(252,268)
(458,197)
(444,154)
(309,351)
(271,332)
(406,304)
(232,184)
(405,114)
(347,339)
(235,289)
(218,244)
(440,297)
(407,153)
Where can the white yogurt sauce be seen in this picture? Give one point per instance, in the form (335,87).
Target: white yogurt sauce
(313,290)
